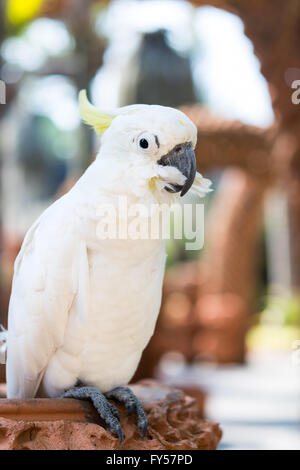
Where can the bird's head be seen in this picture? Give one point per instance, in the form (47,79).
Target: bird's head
(155,143)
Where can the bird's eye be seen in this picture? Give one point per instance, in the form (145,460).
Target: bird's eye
(143,143)
(146,143)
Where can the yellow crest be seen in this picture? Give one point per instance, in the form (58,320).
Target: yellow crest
(93,116)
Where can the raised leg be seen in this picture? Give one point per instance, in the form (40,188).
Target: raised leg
(105,409)
(132,403)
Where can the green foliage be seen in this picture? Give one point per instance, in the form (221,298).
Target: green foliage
(282,310)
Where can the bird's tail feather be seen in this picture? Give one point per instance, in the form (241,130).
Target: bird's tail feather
(3,344)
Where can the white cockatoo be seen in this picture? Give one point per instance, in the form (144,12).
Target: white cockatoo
(83,307)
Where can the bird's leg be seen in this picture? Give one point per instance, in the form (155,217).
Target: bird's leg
(106,410)
(132,403)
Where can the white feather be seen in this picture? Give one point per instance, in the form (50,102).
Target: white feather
(201,186)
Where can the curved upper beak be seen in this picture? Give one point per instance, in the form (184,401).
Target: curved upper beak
(182,157)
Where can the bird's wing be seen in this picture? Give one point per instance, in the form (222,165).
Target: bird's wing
(44,287)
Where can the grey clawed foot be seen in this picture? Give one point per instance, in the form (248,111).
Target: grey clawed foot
(106,410)
(132,403)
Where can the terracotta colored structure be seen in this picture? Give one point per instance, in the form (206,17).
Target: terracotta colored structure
(273,27)
(212,308)
(43,424)
(232,258)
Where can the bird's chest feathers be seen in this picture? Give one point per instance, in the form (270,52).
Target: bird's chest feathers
(125,293)
(122,289)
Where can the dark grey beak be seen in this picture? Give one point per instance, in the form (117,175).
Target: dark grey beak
(182,157)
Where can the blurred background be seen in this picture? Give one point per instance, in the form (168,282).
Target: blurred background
(230,317)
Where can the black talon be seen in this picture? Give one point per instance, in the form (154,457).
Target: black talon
(120,435)
(144,428)
(132,403)
(130,409)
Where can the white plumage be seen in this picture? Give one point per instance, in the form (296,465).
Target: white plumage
(84,308)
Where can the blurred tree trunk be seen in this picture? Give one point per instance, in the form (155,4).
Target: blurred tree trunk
(89,49)
(234,234)
(3,314)
(294,219)
(86,59)
(78,20)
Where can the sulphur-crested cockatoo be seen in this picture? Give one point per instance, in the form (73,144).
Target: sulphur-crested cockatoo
(83,307)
